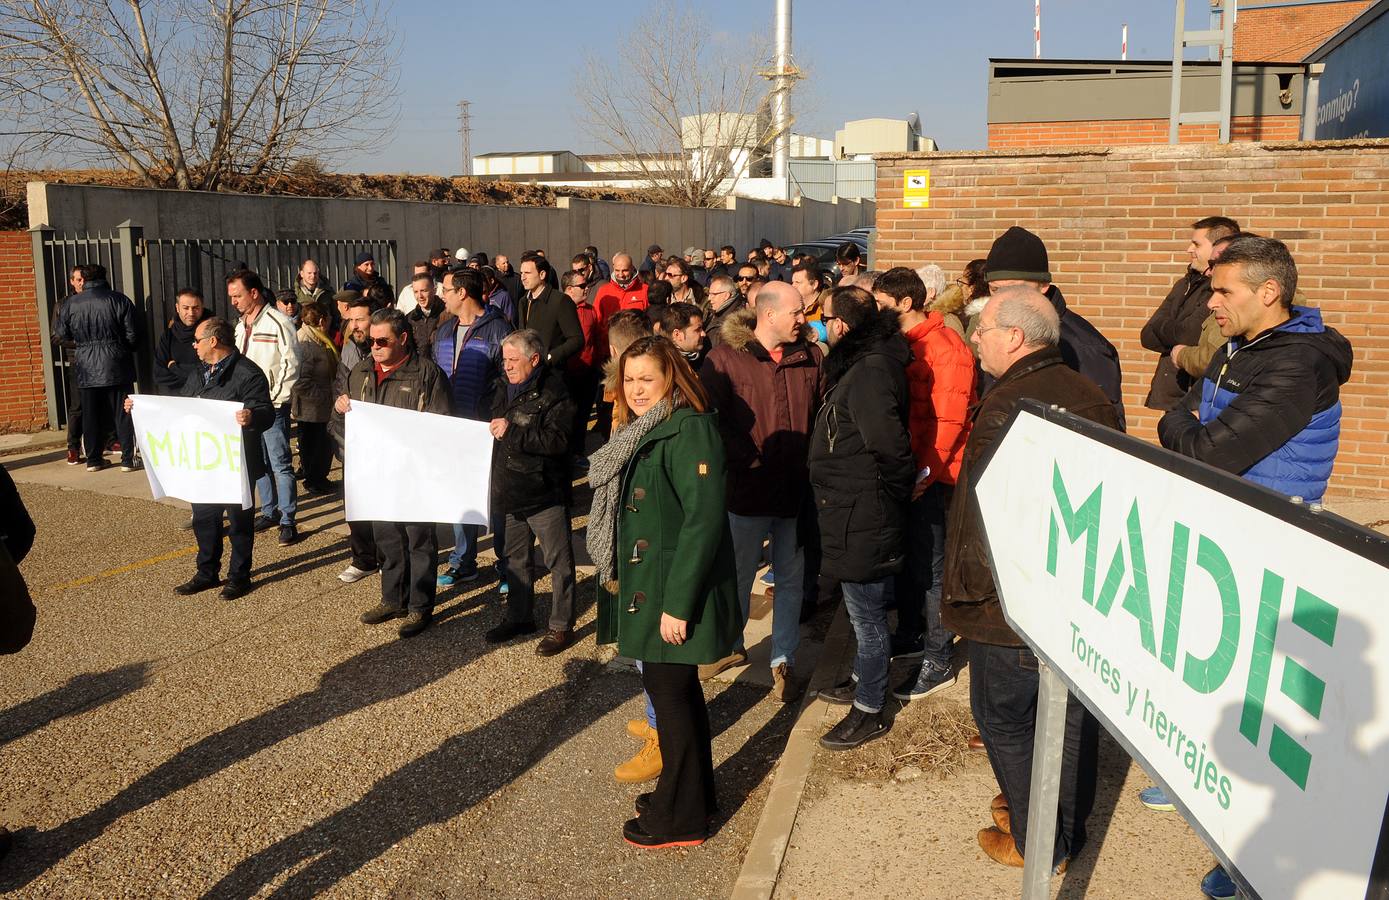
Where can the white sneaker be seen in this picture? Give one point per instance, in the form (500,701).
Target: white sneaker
(352,574)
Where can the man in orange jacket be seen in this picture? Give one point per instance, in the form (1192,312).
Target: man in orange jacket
(940,381)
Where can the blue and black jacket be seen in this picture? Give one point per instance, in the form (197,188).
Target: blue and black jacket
(479,361)
(1269,409)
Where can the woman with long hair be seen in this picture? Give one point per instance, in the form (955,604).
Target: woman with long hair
(311,400)
(658,535)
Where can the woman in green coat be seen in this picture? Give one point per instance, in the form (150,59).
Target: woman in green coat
(659,527)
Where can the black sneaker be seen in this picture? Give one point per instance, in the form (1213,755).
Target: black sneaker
(855,729)
(904,649)
(288,535)
(133,465)
(265,523)
(643,803)
(634,834)
(235,590)
(508,630)
(841,694)
(381,612)
(196,585)
(923,683)
(417,620)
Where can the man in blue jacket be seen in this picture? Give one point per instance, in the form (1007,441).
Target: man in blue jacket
(101,323)
(1269,407)
(468,347)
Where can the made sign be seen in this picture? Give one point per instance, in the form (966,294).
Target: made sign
(1235,642)
(192,449)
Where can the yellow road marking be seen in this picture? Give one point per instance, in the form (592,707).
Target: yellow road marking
(120,570)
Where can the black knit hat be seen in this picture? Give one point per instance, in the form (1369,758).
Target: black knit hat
(1018,254)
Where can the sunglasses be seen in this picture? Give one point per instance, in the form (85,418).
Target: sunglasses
(579,284)
(676,274)
(382,342)
(746,277)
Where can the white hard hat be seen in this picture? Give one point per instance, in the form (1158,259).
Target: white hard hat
(462,254)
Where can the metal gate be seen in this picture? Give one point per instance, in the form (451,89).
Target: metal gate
(151,271)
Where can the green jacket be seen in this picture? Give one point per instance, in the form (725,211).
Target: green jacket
(674,553)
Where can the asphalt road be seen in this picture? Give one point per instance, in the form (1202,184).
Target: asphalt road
(155,745)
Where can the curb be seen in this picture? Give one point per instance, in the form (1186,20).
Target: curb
(767,850)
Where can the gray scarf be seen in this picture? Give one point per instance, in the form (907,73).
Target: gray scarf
(605,469)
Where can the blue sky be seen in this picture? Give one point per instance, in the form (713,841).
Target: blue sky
(517,62)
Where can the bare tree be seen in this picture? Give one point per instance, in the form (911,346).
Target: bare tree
(681,104)
(186,93)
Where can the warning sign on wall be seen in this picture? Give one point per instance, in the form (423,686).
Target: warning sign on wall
(916,188)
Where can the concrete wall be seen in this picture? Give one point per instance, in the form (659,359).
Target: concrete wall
(417,227)
(1116,223)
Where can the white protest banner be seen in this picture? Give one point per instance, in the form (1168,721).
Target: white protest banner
(1235,642)
(405,466)
(192,449)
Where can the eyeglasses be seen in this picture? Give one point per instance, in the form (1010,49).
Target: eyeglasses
(826,318)
(199,340)
(676,274)
(382,342)
(983,328)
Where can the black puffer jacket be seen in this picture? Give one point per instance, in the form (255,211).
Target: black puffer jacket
(861,466)
(240,381)
(530,464)
(101,322)
(418,384)
(176,347)
(1176,321)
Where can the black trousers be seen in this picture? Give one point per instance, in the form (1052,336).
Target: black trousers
(409,554)
(1003,685)
(583,388)
(315,452)
(362,539)
(103,411)
(684,797)
(208,528)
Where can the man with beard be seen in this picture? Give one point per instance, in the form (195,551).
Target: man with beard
(364,275)
(176,357)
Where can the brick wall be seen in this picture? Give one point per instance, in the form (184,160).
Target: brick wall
(1123,132)
(1288,33)
(1116,223)
(22,404)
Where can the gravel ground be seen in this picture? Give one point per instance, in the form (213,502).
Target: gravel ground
(154,745)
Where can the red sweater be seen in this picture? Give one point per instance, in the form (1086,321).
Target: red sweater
(610,298)
(940,379)
(591,355)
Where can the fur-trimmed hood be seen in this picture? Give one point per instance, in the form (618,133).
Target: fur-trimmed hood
(739,331)
(951,300)
(874,336)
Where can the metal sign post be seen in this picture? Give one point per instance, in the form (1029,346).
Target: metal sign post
(1046,784)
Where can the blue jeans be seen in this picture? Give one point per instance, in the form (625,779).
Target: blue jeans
(918,587)
(276,487)
(788,561)
(866,604)
(1003,685)
(650,708)
(464,555)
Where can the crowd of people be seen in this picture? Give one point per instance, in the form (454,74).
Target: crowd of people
(798,411)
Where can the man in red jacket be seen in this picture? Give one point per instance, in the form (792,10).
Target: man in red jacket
(582,370)
(940,380)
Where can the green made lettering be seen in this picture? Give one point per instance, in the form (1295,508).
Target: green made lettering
(198,451)
(1083,521)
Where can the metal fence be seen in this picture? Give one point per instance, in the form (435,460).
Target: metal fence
(151,271)
(825,179)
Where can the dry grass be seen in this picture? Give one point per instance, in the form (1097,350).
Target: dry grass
(931,735)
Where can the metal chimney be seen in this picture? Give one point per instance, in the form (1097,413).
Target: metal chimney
(783,77)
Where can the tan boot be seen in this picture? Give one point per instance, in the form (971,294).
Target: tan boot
(1003,820)
(736,658)
(641,730)
(1000,847)
(784,686)
(645,766)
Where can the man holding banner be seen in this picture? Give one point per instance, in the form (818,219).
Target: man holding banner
(226,375)
(397,375)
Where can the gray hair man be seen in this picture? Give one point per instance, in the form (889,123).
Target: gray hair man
(1019,339)
(532,414)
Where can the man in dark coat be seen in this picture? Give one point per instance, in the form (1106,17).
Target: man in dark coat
(424,319)
(365,276)
(862,470)
(101,324)
(531,417)
(1019,257)
(764,380)
(224,374)
(176,356)
(548,313)
(1018,334)
(397,374)
(1177,320)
